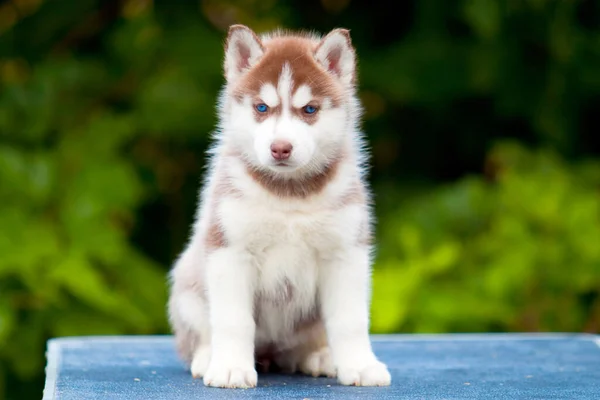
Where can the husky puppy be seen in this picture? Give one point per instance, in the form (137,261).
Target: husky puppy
(277,271)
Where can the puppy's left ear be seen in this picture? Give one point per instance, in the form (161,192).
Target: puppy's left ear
(336,54)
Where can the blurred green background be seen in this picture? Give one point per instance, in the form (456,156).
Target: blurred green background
(483,119)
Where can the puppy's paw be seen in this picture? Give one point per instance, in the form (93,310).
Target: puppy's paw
(374,374)
(230,375)
(318,363)
(200,362)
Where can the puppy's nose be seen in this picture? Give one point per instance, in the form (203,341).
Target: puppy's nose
(281,150)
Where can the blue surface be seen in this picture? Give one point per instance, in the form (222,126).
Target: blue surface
(423,367)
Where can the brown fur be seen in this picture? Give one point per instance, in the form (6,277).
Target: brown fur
(260,117)
(309,321)
(186,343)
(186,339)
(299,113)
(308,118)
(357,194)
(298,52)
(302,188)
(311,336)
(214,237)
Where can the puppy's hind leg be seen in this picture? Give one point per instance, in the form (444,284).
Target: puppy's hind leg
(188,316)
(311,355)
(315,358)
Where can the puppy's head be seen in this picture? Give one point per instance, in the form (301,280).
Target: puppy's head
(288,98)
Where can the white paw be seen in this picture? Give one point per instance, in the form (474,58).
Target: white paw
(200,362)
(318,363)
(374,374)
(230,376)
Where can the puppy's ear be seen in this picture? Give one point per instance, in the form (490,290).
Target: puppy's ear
(336,54)
(243,49)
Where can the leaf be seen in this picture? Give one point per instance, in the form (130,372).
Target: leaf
(79,277)
(483,16)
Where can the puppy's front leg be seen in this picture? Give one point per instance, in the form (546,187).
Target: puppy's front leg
(344,293)
(230,281)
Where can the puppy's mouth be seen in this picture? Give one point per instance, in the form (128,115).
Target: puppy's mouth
(283,166)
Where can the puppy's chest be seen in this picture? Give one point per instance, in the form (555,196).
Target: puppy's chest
(265,229)
(286,247)
(286,285)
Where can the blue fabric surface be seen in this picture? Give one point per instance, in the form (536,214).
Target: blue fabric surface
(422,367)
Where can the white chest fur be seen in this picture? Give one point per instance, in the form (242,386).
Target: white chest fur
(288,247)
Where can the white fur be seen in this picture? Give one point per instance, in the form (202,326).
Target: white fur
(302,96)
(273,243)
(268,94)
(284,86)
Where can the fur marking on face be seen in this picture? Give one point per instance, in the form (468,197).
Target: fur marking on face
(296,90)
(288,64)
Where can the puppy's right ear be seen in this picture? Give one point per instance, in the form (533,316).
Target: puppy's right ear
(243,49)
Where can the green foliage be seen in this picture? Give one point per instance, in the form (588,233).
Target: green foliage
(517,252)
(67,205)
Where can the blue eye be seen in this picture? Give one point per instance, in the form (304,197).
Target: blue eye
(310,109)
(262,108)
